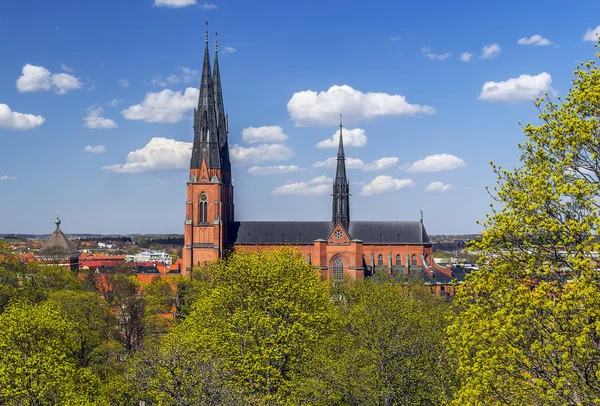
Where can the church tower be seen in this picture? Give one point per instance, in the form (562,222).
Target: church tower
(209,204)
(341,189)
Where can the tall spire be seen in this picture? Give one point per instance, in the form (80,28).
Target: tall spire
(341,188)
(206,140)
(221,117)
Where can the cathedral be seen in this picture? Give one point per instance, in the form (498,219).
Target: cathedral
(341,248)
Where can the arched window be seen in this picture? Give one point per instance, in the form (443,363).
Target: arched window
(380,260)
(203,208)
(413,260)
(338,270)
(398,262)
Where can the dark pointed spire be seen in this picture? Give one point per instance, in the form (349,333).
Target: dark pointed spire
(341,188)
(222,129)
(206,140)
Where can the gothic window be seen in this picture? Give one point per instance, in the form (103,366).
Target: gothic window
(380,260)
(426,258)
(203,208)
(338,234)
(413,260)
(338,270)
(398,262)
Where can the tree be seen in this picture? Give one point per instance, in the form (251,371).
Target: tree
(263,318)
(389,348)
(528,323)
(36,363)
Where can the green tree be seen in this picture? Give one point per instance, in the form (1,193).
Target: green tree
(528,323)
(36,363)
(389,348)
(263,318)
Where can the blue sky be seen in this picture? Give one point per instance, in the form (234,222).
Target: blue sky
(101,74)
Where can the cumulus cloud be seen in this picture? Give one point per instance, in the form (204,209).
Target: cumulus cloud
(35,78)
(536,39)
(426,51)
(436,163)
(384,184)
(465,56)
(490,51)
(309,108)
(592,34)
(207,6)
(174,3)
(94,119)
(6,177)
(229,50)
(273,170)
(261,153)
(160,154)
(331,163)
(66,68)
(320,180)
(95,149)
(184,75)
(114,102)
(123,82)
(320,185)
(165,106)
(11,120)
(381,164)
(352,138)
(514,90)
(272,133)
(439,187)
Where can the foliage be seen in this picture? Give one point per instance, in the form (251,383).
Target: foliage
(263,318)
(528,324)
(388,349)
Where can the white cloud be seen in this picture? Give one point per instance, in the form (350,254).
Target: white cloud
(261,153)
(95,149)
(331,163)
(436,163)
(321,180)
(384,184)
(394,39)
(439,187)
(11,120)
(302,189)
(173,3)
(207,6)
(66,68)
(272,133)
(6,177)
(592,34)
(123,82)
(273,170)
(160,154)
(536,39)
(185,75)
(352,138)
(94,119)
(381,164)
(465,56)
(165,106)
(35,78)
(114,102)
(309,108)
(490,51)
(426,51)
(514,90)
(229,50)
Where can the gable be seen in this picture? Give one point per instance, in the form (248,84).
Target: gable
(338,235)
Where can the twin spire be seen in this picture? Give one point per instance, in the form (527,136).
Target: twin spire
(210,121)
(341,188)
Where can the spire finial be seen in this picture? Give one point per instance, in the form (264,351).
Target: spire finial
(57,221)
(340,123)
(421,216)
(206,33)
(216,42)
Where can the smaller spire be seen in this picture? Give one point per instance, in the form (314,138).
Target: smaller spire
(57,221)
(341,143)
(216,42)
(421,215)
(206,33)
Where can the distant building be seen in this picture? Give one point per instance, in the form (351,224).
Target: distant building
(150,256)
(59,250)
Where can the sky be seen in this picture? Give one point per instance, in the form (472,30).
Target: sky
(96,103)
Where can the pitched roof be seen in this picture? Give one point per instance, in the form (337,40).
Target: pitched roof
(59,245)
(306,232)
